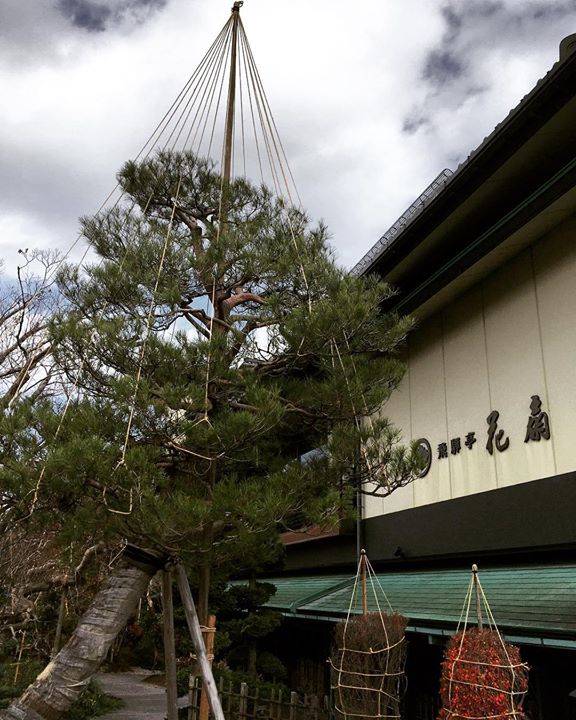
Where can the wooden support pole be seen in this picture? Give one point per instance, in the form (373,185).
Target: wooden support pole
(169,646)
(478,603)
(198,642)
(209,633)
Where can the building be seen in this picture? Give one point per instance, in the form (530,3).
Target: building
(486,262)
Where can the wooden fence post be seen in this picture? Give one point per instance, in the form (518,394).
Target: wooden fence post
(243,701)
(194,697)
(255,705)
(314,704)
(271,703)
(191,712)
(293,702)
(198,642)
(169,646)
(230,693)
(329,714)
(221,692)
(209,642)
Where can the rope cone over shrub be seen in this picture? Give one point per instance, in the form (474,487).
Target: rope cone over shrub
(369,653)
(483,677)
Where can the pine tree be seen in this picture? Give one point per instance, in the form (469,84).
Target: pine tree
(213,341)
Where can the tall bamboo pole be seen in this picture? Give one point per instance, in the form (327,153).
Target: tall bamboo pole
(478,602)
(229,128)
(209,621)
(209,694)
(364,590)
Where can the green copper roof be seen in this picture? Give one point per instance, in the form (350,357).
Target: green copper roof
(538,600)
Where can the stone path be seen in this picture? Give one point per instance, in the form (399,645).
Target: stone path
(143,701)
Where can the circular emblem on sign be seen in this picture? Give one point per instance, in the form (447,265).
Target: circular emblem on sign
(425,451)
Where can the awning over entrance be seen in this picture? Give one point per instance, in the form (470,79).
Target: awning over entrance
(535,604)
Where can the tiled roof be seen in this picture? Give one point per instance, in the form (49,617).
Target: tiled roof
(537,599)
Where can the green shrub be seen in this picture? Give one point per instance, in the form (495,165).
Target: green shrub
(27,672)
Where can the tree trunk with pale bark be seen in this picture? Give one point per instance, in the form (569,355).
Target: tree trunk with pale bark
(64,678)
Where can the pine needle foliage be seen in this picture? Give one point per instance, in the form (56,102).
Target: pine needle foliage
(207,350)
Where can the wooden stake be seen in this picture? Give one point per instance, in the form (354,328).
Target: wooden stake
(59,624)
(198,642)
(169,646)
(364,592)
(478,603)
(17,671)
(209,633)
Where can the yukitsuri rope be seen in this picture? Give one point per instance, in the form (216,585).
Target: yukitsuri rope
(182,127)
(366,680)
(190,90)
(469,687)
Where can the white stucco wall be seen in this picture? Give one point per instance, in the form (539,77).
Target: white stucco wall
(508,338)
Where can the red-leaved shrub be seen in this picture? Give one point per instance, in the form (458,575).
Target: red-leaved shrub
(482,677)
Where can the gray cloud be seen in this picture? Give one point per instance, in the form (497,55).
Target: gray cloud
(46,192)
(85,14)
(547,10)
(31,31)
(98,16)
(453,22)
(463,20)
(443,66)
(476,31)
(426,97)
(28,30)
(475,27)
(412,123)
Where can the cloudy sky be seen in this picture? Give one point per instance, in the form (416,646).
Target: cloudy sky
(372,98)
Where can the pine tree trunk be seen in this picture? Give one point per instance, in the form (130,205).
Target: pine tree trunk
(252,645)
(64,678)
(252,657)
